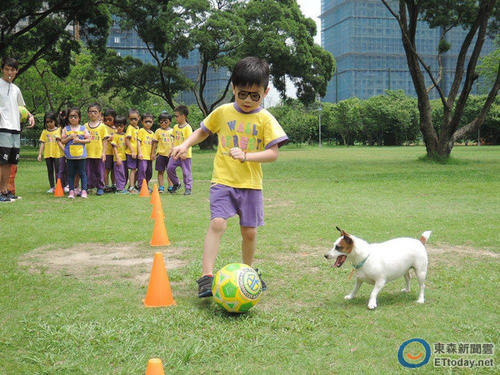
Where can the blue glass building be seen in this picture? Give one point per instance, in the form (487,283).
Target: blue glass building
(128,43)
(365,40)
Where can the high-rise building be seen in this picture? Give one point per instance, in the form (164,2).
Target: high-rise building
(128,43)
(365,40)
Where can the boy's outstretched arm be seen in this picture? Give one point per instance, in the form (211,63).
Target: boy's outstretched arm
(266,156)
(196,137)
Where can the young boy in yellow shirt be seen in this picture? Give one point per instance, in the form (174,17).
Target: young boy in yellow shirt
(162,144)
(145,138)
(248,135)
(180,133)
(131,151)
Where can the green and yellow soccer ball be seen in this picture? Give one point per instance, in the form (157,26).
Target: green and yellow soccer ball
(23,113)
(237,287)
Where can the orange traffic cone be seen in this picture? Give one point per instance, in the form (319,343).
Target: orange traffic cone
(155,367)
(157,212)
(159,292)
(155,196)
(144,189)
(160,237)
(59,192)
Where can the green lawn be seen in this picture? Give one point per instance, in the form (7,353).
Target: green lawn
(65,317)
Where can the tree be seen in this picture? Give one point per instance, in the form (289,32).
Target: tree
(222,31)
(274,30)
(165,27)
(31,30)
(474,16)
(347,119)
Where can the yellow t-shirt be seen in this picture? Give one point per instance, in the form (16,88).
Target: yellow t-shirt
(180,135)
(51,149)
(164,139)
(111,133)
(119,142)
(251,132)
(146,138)
(97,135)
(132,134)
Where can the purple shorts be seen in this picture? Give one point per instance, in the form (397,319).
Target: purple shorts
(226,201)
(161,163)
(108,164)
(131,163)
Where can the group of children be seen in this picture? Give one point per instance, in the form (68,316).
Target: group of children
(105,150)
(247,136)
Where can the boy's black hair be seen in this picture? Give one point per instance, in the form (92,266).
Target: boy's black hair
(50,116)
(74,109)
(251,71)
(120,120)
(165,116)
(133,110)
(110,112)
(147,115)
(182,109)
(96,105)
(10,61)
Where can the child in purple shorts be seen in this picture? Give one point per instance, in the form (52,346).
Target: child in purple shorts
(109,122)
(145,138)
(248,135)
(131,151)
(119,156)
(162,144)
(180,133)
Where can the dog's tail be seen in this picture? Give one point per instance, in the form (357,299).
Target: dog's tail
(425,236)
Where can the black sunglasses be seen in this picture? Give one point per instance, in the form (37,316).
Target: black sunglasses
(255,96)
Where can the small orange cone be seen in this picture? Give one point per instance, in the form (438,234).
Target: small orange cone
(144,189)
(157,212)
(155,196)
(155,367)
(160,237)
(159,292)
(59,192)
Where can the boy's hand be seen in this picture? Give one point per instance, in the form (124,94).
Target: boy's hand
(39,158)
(119,162)
(178,152)
(140,156)
(134,155)
(238,154)
(103,157)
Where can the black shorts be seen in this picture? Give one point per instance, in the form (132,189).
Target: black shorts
(9,148)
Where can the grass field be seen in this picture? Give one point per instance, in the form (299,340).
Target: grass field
(73,274)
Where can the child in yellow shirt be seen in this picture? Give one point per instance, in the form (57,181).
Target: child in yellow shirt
(131,151)
(120,158)
(96,149)
(49,148)
(180,133)
(248,135)
(145,138)
(109,122)
(162,144)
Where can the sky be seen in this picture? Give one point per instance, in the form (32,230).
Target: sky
(311,9)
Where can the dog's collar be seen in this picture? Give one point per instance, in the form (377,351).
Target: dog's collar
(359,265)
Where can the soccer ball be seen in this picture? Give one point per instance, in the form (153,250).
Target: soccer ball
(237,287)
(23,112)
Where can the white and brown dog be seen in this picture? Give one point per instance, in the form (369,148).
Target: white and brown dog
(379,263)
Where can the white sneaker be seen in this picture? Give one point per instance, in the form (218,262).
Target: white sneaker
(66,189)
(50,191)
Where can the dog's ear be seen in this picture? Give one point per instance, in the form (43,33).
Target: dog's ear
(347,238)
(340,230)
